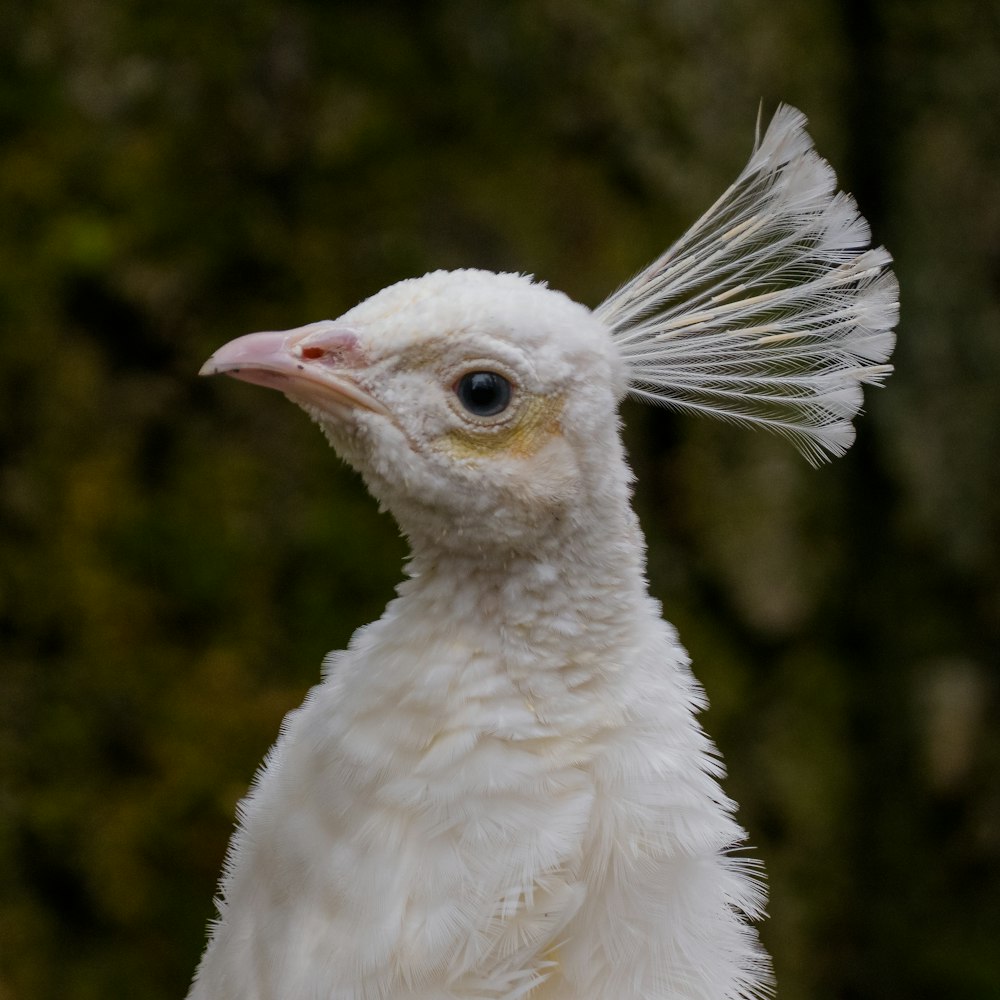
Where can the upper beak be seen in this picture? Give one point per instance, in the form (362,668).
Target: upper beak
(313,364)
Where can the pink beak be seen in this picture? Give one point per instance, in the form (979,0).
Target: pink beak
(312,364)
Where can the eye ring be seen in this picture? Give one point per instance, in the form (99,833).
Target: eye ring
(484,393)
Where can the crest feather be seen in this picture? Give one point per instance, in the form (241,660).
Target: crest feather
(772,310)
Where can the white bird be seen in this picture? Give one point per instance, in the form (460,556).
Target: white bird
(501,789)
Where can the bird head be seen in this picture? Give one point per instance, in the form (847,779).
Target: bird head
(482,407)
(475,405)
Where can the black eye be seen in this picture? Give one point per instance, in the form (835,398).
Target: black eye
(484,394)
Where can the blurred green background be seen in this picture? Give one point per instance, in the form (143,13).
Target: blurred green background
(177,555)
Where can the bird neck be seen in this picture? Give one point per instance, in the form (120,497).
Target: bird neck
(562,621)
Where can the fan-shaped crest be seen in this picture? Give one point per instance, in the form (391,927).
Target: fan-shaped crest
(772,310)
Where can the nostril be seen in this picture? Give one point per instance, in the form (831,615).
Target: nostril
(323,345)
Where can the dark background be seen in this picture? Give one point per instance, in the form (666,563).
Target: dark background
(178,554)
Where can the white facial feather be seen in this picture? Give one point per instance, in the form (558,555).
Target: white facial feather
(444,472)
(500,789)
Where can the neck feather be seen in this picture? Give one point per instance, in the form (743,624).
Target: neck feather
(556,628)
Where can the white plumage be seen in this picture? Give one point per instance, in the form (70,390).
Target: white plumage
(500,789)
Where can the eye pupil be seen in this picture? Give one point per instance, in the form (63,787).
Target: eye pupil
(484,394)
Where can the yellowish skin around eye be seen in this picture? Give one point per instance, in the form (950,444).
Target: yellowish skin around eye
(536,423)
